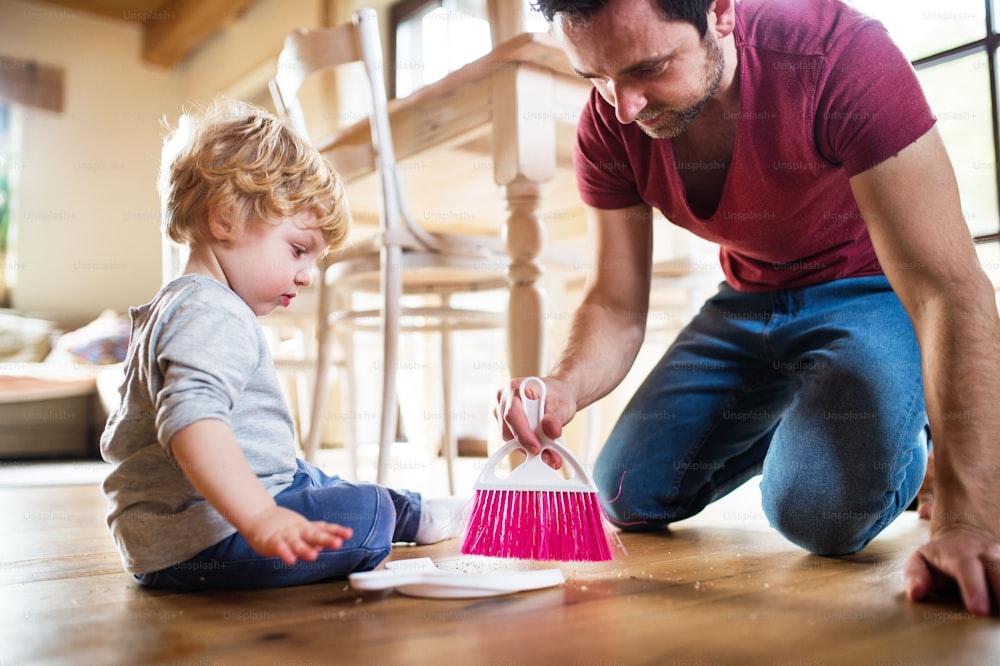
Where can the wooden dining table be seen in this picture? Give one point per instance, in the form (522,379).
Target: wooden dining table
(513,113)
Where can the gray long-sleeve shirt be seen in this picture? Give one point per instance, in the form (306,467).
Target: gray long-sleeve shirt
(196,352)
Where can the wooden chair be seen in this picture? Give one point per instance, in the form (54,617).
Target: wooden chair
(401,260)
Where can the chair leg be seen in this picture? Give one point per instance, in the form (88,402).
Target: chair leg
(321,382)
(392,287)
(303,395)
(350,402)
(447,365)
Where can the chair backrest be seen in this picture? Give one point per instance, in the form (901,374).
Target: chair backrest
(308,51)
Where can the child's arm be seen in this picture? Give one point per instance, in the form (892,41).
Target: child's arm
(210,456)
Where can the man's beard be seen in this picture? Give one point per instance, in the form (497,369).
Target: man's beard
(673,123)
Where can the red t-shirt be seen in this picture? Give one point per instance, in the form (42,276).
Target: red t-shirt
(825,95)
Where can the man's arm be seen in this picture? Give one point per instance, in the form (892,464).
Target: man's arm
(911,206)
(210,457)
(608,327)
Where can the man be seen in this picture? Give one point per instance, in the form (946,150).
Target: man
(855,319)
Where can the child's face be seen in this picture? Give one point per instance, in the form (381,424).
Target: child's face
(267,264)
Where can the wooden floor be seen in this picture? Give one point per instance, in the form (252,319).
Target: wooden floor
(721,588)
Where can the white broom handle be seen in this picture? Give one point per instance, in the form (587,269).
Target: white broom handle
(534,408)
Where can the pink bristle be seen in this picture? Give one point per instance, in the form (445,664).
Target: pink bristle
(528,514)
(538,525)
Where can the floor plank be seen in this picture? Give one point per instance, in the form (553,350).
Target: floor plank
(721,588)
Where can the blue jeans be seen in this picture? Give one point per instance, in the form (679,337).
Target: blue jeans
(819,389)
(379,516)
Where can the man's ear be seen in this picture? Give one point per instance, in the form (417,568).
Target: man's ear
(220,227)
(725,17)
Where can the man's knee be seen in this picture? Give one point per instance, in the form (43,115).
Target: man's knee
(820,526)
(634,508)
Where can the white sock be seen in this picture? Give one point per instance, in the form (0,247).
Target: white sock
(441,518)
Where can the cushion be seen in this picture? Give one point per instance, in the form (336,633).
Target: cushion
(24,339)
(101,342)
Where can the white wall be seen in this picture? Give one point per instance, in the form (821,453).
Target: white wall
(86,211)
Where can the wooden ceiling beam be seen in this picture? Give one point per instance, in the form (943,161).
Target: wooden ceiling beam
(178,27)
(130,10)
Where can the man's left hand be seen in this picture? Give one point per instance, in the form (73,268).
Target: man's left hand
(959,555)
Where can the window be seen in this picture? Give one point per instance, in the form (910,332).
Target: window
(23,84)
(431,38)
(7,164)
(953,47)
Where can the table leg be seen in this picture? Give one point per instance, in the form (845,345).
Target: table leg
(525,316)
(524,156)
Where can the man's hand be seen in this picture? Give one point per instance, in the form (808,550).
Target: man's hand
(560,407)
(957,555)
(281,532)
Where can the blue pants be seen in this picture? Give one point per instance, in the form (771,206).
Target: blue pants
(819,389)
(379,517)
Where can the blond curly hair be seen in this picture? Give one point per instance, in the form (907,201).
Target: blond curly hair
(250,166)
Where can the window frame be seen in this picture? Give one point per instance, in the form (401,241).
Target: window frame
(399,13)
(7,165)
(989,44)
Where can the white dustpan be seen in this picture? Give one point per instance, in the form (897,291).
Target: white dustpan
(419,577)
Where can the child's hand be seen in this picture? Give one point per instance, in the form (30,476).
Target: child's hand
(271,530)
(290,536)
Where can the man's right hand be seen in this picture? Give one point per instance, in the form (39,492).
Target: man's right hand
(559,409)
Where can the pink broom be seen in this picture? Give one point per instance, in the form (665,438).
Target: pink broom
(535,513)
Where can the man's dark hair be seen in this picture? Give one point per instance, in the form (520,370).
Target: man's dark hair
(692,11)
